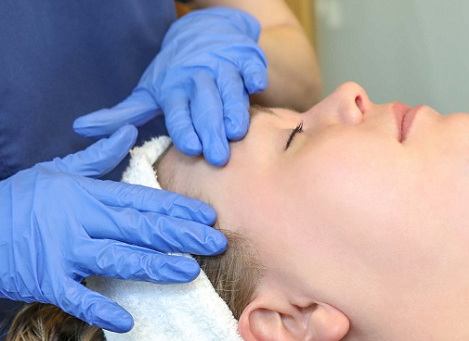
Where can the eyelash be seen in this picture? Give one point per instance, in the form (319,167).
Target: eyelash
(298,129)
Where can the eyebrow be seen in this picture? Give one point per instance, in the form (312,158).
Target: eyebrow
(255,110)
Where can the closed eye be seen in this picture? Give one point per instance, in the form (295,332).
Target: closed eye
(298,129)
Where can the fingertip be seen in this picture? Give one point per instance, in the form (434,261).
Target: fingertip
(102,156)
(185,140)
(208,215)
(257,82)
(236,130)
(112,317)
(95,124)
(124,138)
(190,145)
(83,127)
(180,269)
(78,126)
(127,130)
(192,269)
(218,243)
(218,155)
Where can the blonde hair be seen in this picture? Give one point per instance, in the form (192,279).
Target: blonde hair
(39,322)
(235,273)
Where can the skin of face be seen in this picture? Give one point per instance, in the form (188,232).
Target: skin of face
(362,227)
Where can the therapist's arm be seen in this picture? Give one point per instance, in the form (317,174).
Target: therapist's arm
(294,77)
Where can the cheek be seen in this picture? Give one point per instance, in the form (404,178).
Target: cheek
(353,203)
(356,180)
(371,210)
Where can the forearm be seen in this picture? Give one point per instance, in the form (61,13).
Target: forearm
(294,77)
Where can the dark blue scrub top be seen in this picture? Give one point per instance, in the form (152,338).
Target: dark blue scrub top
(62,59)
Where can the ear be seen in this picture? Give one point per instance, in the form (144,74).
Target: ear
(268,321)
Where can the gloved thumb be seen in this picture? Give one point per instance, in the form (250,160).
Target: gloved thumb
(95,309)
(137,109)
(101,157)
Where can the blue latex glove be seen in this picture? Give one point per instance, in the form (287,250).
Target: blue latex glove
(58,227)
(208,64)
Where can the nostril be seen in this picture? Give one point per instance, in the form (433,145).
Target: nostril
(359,103)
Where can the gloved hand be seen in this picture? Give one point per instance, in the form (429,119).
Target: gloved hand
(208,64)
(58,226)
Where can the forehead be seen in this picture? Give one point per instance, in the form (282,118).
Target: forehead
(177,172)
(250,157)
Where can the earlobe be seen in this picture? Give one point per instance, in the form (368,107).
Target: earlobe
(262,321)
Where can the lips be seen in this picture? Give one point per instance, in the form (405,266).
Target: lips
(407,121)
(404,118)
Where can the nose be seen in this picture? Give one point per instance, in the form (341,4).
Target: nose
(348,104)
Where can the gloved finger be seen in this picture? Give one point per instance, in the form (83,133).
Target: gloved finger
(137,109)
(207,118)
(254,72)
(179,123)
(124,261)
(142,198)
(92,307)
(101,157)
(235,103)
(155,231)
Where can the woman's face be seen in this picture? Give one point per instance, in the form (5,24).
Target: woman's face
(365,210)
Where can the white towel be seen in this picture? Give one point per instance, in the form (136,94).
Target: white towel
(180,312)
